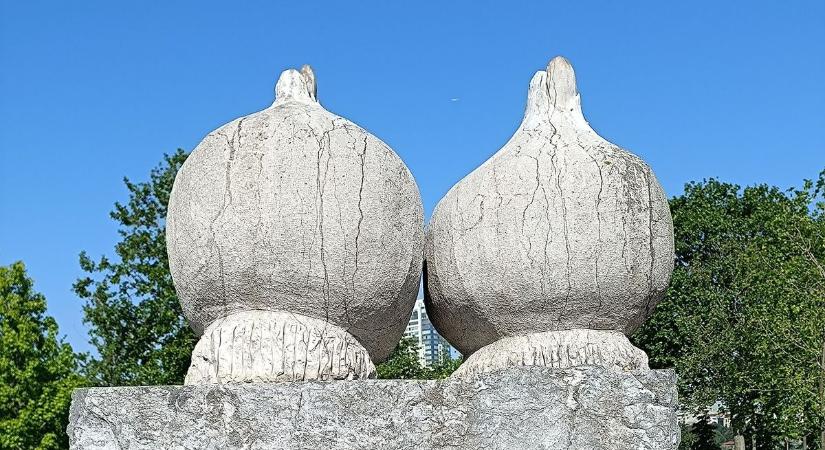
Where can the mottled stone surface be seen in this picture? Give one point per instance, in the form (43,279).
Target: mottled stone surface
(582,408)
(265,346)
(559,230)
(557,349)
(294,209)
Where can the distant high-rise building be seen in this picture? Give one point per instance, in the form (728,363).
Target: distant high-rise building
(431,346)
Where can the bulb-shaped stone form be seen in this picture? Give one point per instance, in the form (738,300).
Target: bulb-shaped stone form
(554,248)
(295,244)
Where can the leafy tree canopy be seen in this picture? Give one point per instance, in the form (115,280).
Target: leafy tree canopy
(131,308)
(37,370)
(744,319)
(704,434)
(403,364)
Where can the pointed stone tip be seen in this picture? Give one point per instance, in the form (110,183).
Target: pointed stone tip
(309,76)
(562,79)
(553,95)
(559,64)
(294,85)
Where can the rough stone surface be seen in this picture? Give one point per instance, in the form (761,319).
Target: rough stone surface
(264,346)
(582,408)
(559,230)
(557,349)
(297,210)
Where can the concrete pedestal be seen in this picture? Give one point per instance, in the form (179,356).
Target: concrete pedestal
(524,408)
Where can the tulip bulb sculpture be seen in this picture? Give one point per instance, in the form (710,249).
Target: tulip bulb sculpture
(295,244)
(554,249)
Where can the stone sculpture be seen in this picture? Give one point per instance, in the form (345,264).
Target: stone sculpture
(295,244)
(553,249)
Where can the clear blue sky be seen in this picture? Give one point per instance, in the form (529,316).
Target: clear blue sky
(94,91)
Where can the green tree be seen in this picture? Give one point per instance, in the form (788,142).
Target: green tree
(704,433)
(723,434)
(444,367)
(744,318)
(134,318)
(403,364)
(37,370)
(688,438)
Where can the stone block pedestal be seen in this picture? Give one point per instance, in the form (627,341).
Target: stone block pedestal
(519,408)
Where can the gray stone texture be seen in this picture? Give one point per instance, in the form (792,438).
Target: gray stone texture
(557,349)
(538,408)
(265,346)
(558,230)
(295,209)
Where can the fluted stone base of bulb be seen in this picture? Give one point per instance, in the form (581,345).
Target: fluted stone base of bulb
(556,349)
(269,346)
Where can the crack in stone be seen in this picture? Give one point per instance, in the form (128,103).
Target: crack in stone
(533,196)
(362,156)
(598,230)
(564,228)
(556,147)
(226,204)
(321,187)
(546,243)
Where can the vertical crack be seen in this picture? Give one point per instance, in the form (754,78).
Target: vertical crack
(363,156)
(533,196)
(564,228)
(227,201)
(546,242)
(320,187)
(598,228)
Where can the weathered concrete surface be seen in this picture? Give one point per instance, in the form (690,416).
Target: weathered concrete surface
(557,349)
(558,230)
(295,209)
(265,346)
(538,408)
